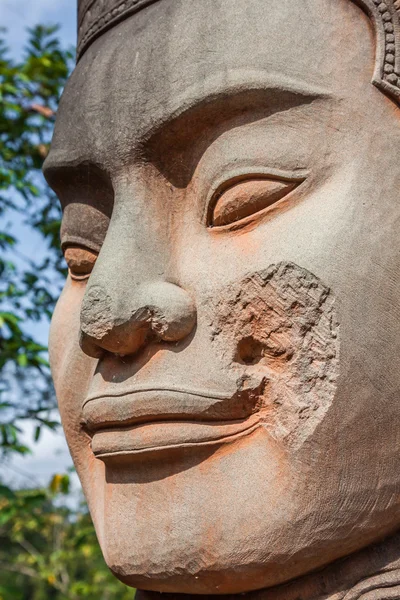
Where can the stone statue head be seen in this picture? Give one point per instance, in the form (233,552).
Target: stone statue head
(226,351)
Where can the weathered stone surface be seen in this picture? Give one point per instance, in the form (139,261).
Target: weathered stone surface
(226,351)
(281,325)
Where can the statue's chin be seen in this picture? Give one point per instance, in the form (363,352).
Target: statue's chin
(206,523)
(229,521)
(213,578)
(368,566)
(209,578)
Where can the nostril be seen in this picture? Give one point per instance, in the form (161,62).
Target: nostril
(173,313)
(90,347)
(249,351)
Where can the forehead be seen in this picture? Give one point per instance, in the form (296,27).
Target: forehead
(165,57)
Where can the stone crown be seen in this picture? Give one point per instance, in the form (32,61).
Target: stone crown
(96,16)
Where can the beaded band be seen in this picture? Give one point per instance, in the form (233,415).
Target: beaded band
(386,18)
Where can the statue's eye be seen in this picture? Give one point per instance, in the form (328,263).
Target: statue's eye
(80,262)
(246,198)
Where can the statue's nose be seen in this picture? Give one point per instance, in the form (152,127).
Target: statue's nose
(153,311)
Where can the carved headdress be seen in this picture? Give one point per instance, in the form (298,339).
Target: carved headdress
(97,16)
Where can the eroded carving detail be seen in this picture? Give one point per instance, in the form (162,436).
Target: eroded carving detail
(280,324)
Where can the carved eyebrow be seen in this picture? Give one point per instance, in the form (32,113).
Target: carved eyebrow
(178,138)
(81,180)
(63,161)
(231,91)
(226,86)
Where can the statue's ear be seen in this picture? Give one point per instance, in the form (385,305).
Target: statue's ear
(385,15)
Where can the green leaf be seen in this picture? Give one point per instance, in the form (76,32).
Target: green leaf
(8,317)
(38,431)
(22,360)
(6,492)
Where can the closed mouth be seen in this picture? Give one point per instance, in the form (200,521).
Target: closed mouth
(147,420)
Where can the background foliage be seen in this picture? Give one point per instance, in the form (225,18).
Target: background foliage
(48,548)
(29,92)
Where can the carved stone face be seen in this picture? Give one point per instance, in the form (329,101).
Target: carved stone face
(228,376)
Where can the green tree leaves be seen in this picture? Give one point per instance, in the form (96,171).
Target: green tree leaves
(29,93)
(50,551)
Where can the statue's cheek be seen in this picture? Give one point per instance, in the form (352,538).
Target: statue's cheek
(71,369)
(280,324)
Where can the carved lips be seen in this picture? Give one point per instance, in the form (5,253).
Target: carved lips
(149,420)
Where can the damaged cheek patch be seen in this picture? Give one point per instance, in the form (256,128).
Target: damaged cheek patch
(280,325)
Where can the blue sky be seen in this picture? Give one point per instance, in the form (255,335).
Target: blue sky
(17,15)
(50,454)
